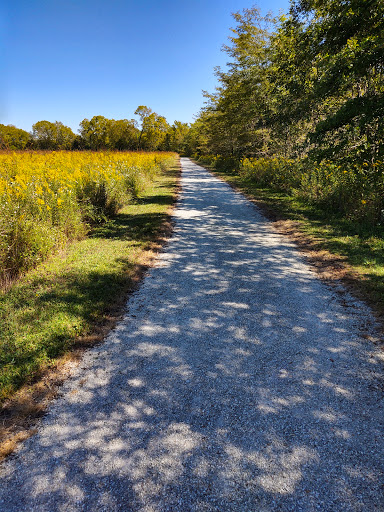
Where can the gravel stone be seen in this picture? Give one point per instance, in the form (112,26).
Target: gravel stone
(237,381)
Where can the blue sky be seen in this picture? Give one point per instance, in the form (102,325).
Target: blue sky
(65,60)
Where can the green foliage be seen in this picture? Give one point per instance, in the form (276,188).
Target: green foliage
(233,121)
(301,105)
(73,293)
(309,83)
(123,134)
(355,192)
(13,138)
(95,132)
(346,50)
(52,136)
(154,129)
(226,163)
(175,138)
(102,133)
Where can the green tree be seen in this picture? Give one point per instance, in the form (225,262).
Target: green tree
(309,83)
(50,136)
(235,115)
(345,46)
(64,136)
(123,134)
(195,142)
(14,138)
(175,137)
(154,129)
(143,112)
(95,132)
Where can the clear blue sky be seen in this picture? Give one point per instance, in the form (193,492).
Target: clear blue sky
(64,60)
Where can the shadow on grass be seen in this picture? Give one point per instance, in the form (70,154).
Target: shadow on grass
(71,306)
(134,225)
(42,317)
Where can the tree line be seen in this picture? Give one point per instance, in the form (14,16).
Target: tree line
(308,84)
(151,133)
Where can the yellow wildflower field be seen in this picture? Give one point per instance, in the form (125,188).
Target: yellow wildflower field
(48,198)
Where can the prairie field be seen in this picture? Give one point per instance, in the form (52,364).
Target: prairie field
(50,198)
(77,230)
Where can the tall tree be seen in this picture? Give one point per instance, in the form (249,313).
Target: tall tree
(143,112)
(123,134)
(175,137)
(95,132)
(47,135)
(347,40)
(235,115)
(309,83)
(153,128)
(13,138)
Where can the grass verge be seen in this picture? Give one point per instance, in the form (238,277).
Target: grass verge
(50,315)
(337,247)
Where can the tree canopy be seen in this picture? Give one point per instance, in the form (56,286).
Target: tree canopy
(308,83)
(13,138)
(151,133)
(47,135)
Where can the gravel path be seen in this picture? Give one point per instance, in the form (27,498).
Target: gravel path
(236,382)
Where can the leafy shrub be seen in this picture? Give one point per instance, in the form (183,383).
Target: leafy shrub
(356,191)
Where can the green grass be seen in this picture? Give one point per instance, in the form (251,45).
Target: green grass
(361,246)
(74,294)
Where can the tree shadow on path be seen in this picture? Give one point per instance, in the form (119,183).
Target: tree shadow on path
(237,382)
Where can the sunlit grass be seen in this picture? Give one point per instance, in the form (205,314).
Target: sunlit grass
(76,292)
(50,198)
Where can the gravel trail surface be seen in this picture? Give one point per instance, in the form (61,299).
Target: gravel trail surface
(237,382)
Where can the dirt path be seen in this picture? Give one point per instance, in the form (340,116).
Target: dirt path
(237,382)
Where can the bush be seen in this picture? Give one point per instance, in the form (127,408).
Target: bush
(356,192)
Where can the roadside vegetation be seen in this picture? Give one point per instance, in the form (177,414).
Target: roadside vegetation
(112,207)
(50,198)
(339,246)
(297,121)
